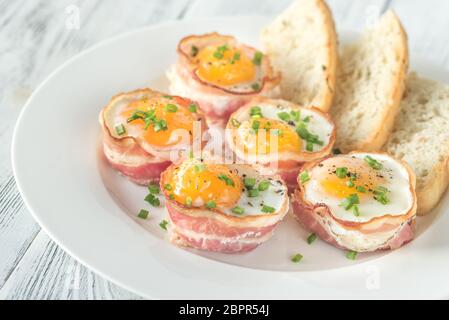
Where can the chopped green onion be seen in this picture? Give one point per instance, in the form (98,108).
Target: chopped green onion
(200,168)
(268,209)
(355,210)
(238,210)
(143,214)
(351,255)
(255,112)
(311,238)
(163,224)
(167,97)
(381,195)
(296,115)
(304,176)
(341,172)
(235,58)
(249,182)
(256,125)
(350,201)
(211,204)
(168,187)
(193,108)
(361,189)
(284,116)
(257,59)
(307,119)
(302,131)
(153,200)
(188,201)
(297,258)
(226,179)
(120,129)
(219,52)
(255,86)
(194,51)
(309,146)
(252,193)
(171,107)
(264,185)
(171,196)
(350,184)
(154,188)
(373,163)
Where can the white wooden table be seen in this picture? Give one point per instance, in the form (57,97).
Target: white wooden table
(36,36)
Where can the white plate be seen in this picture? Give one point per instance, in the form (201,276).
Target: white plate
(89,210)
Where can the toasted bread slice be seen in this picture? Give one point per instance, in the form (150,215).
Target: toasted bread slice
(370,84)
(302,45)
(421,138)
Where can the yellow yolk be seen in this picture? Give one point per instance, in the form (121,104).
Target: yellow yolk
(263,140)
(366,177)
(225,67)
(191,183)
(181,119)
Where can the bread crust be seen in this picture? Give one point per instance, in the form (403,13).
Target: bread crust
(322,100)
(379,136)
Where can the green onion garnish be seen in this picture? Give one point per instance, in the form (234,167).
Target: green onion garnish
(350,183)
(210,204)
(194,51)
(284,116)
(200,168)
(252,193)
(296,115)
(351,255)
(268,209)
(249,182)
(171,107)
(311,238)
(188,201)
(361,189)
(153,200)
(350,201)
(304,176)
(297,258)
(255,86)
(163,224)
(309,146)
(226,179)
(143,214)
(120,129)
(193,108)
(381,195)
(235,58)
(341,172)
(168,187)
(256,125)
(255,112)
(373,163)
(257,59)
(238,210)
(264,185)
(219,52)
(154,188)
(355,210)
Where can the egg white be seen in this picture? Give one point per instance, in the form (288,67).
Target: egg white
(397,181)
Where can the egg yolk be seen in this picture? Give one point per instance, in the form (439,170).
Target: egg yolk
(224,66)
(197,184)
(359,174)
(171,114)
(259,136)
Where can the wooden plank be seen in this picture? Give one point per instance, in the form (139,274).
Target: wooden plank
(37,37)
(46,272)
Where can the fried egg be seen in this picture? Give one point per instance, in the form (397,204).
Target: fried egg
(231,189)
(222,62)
(158,122)
(360,186)
(269,130)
